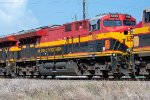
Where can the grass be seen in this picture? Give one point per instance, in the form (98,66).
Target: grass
(24,89)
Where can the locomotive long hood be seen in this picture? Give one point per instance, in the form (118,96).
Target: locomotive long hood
(38,33)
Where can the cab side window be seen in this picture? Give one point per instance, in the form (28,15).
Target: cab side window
(68,28)
(78,25)
(147,16)
(94,25)
(82,25)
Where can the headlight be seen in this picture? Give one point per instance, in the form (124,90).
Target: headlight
(128,50)
(131,31)
(114,54)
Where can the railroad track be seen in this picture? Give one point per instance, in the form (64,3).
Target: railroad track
(81,78)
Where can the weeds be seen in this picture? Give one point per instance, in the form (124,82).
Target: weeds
(23,89)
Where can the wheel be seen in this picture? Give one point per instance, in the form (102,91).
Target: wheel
(5,75)
(24,74)
(105,75)
(90,76)
(53,76)
(32,75)
(38,76)
(117,76)
(132,76)
(9,75)
(147,76)
(45,76)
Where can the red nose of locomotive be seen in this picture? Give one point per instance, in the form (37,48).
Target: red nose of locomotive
(118,22)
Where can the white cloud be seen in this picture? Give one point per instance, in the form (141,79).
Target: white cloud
(15,16)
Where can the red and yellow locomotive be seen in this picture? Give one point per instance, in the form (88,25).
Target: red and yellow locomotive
(88,47)
(141,49)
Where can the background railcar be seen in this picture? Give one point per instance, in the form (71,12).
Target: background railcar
(141,48)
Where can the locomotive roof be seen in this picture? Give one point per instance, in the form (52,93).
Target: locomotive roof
(101,16)
(97,17)
(75,22)
(147,9)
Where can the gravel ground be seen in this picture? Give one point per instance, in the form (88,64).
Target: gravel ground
(25,89)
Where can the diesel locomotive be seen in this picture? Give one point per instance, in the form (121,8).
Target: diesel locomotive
(141,48)
(100,46)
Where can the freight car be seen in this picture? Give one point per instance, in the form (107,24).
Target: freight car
(89,47)
(141,49)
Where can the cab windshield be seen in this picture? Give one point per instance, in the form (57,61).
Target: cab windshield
(110,23)
(147,16)
(129,23)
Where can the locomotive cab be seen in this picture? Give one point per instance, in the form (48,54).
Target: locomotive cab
(112,22)
(146,17)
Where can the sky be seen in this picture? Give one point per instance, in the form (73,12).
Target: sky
(17,15)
